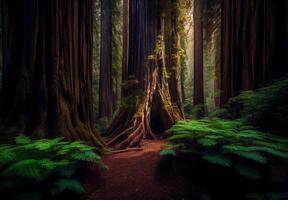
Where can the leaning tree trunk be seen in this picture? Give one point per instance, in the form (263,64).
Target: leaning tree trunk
(47,75)
(146,106)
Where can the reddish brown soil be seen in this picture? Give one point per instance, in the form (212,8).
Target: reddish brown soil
(135,175)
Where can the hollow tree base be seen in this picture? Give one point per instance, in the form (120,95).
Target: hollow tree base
(133,124)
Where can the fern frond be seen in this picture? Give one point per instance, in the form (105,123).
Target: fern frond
(167,152)
(247,171)
(22,139)
(7,155)
(86,156)
(29,168)
(67,185)
(218,159)
(207,142)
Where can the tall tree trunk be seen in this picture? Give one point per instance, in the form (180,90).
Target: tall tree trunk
(106,92)
(125,48)
(254,44)
(146,106)
(172,39)
(47,75)
(198,57)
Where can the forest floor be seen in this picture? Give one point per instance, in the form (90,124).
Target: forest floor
(136,175)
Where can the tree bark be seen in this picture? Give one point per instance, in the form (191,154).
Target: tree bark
(198,58)
(125,48)
(106,93)
(172,39)
(47,75)
(146,107)
(254,44)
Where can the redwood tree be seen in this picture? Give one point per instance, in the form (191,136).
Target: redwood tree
(172,17)
(125,46)
(146,107)
(106,94)
(198,99)
(47,73)
(254,44)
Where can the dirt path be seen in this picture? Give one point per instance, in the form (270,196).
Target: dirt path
(135,175)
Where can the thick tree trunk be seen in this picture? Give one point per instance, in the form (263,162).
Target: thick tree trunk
(106,93)
(146,104)
(198,57)
(173,52)
(254,44)
(47,80)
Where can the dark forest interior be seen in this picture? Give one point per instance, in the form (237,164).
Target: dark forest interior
(144,99)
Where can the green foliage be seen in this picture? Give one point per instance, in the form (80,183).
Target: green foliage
(67,184)
(218,159)
(167,152)
(265,108)
(228,143)
(44,165)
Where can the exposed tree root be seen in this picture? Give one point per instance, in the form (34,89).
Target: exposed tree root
(127,150)
(138,127)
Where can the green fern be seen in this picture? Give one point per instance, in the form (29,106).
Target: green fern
(86,156)
(218,159)
(62,185)
(166,152)
(6,155)
(207,142)
(226,143)
(28,168)
(37,161)
(22,139)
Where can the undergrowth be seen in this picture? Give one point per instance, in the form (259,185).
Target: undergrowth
(227,143)
(43,169)
(265,108)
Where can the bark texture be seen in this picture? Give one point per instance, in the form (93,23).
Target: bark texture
(146,107)
(198,99)
(172,39)
(254,44)
(47,75)
(125,49)
(107,97)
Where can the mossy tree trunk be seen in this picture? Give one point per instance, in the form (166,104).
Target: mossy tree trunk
(173,52)
(47,75)
(146,107)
